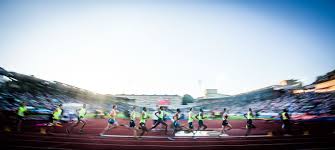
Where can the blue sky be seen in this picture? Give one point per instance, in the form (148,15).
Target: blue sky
(168,47)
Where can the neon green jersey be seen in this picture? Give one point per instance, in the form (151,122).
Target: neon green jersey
(200,117)
(144,117)
(57,114)
(250,115)
(21,111)
(283,114)
(190,116)
(82,112)
(161,115)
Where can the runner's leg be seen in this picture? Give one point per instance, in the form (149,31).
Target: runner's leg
(82,127)
(69,130)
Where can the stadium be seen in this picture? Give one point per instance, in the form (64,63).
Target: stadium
(167,75)
(312,115)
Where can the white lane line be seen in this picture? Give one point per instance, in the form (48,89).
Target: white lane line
(187,137)
(130,136)
(131,139)
(154,137)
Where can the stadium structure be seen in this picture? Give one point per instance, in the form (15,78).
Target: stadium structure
(312,108)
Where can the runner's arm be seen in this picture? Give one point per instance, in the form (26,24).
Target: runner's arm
(203,116)
(156,114)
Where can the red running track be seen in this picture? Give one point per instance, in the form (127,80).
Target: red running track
(321,136)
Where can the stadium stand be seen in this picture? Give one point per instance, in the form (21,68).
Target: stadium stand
(316,98)
(43,96)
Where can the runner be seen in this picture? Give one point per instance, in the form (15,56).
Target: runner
(160,114)
(56,117)
(132,122)
(285,118)
(81,113)
(176,124)
(225,123)
(249,116)
(143,119)
(112,123)
(201,118)
(154,117)
(190,123)
(190,120)
(21,111)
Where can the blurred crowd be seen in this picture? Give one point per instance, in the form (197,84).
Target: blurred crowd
(309,103)
(10,101)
